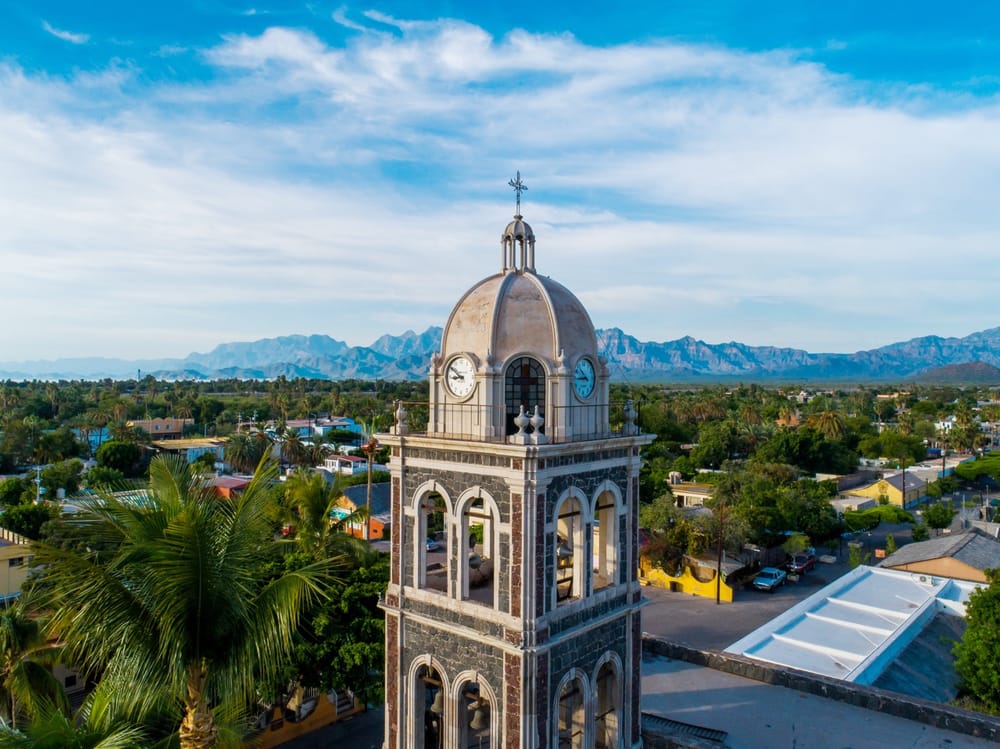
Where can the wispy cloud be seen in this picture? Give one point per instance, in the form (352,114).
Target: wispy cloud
(66,36)
(672,186)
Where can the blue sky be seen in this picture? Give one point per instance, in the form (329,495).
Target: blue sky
(809,174)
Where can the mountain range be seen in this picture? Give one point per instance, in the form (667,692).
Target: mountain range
(974,358)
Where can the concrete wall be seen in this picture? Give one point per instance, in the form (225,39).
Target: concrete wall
(871,698)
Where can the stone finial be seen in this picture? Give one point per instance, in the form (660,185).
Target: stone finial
(537,422)
(630,416)
(521,421)
(401,413)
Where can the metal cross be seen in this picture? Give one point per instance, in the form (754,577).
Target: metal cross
(519,187)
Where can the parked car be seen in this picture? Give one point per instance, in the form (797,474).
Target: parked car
(432,545)
(801,563)
(769,579)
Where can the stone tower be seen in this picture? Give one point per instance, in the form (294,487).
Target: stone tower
(512,612)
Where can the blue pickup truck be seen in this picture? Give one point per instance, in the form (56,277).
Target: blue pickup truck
(769,579)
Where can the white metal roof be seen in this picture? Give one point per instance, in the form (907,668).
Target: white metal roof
(852,628)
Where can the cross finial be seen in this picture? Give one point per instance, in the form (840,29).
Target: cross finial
(519,187)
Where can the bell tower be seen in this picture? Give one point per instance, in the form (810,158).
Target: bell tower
(512,612)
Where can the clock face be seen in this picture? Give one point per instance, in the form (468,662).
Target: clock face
(583,378)
(461,376)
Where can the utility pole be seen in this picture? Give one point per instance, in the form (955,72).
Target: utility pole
(369,449)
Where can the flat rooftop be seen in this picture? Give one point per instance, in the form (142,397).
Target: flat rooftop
(855,627)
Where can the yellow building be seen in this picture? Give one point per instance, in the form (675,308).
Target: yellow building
(15,558)
(891,488)
(696,577)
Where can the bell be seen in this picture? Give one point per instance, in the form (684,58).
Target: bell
(437,707)
(480,718)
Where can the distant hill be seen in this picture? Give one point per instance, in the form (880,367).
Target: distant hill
(973,373)
(974,358)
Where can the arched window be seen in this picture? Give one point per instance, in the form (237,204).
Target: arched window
(429,709)
(605,540)
(524,385)
(474,712)
(608,692)
(570,550)
(571,720)
(432,540)
(478,532)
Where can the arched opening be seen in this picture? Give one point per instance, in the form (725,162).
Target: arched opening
(608,693)
(572,720)
(605,554)
(432,540)
(429,709)
(570,552)
(478,533)
(475,716)
(524,385)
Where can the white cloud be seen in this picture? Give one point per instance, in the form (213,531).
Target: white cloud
(66,36)
(359,189)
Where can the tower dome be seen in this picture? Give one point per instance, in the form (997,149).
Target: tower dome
(519,312)
(519,347)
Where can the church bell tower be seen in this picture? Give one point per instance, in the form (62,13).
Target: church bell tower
(512,612)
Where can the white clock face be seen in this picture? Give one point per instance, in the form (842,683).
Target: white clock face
(461,376)
(583,378)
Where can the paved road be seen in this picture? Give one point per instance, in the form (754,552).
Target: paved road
(363,731)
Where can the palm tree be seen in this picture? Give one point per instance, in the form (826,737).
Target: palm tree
(293,450)
(313,497)
(828,423)
(182,601)
(245,450)
(26,682)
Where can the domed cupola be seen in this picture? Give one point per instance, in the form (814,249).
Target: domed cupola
(518,242)
(519,341)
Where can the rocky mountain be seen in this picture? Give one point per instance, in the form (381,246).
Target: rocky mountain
(683,360)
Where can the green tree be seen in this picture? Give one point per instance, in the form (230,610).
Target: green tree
(14,491)
(977,655)
(342,643)
(890,544)
(182,602)
(245,450)
(920,532)
(60,444)
(27,682)
(126,457)
(64,475)
(938,516)
(310,497)
(104,477)
(28,519)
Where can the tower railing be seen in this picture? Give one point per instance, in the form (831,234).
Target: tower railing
(501,425)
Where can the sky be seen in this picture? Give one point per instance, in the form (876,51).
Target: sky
(794,173)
